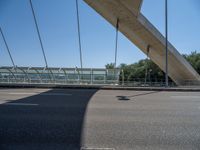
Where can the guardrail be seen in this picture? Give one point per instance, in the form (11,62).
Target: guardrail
(145,84)
(191,83)
(136,83)
(38,75)
(57,81)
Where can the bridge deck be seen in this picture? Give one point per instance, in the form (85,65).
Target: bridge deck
(63,119)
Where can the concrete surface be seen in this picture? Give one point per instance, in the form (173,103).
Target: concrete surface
(143,34)
(102,87)
(68,119)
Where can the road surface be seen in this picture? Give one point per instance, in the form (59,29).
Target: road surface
(64,119)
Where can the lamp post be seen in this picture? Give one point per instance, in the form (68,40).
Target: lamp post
(150,82)
(122,77)
(166,43)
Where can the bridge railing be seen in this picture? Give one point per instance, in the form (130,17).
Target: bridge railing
(191,83)
(57,81)
(37,75)
(142,83)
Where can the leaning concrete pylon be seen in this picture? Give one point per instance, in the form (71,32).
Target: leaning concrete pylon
(145,36)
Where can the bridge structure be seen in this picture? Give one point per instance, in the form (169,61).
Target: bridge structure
(95,118)
(126,15)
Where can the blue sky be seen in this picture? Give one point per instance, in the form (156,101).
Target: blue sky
(57,23)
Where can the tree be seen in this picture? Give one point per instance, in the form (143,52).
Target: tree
(147,70)
(194,60)
(110,66)
(142,70)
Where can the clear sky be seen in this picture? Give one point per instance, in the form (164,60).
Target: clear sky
(57,23)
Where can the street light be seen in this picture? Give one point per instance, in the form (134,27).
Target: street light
(166,43)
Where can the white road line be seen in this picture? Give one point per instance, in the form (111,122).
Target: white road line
(83,148)
(184,97)
(20,104)
(22,93)
(56,94)
(44,94)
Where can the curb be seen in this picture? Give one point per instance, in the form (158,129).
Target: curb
(101,87)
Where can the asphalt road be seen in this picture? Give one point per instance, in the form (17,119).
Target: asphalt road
(63,119)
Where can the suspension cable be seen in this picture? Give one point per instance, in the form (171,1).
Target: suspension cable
(6,44)
(116,41)
(79,34)
(38,32)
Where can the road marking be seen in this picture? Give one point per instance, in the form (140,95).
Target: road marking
(184,97)
(21,104)
(22,93)
(56,94)
(83,148)
(44,94)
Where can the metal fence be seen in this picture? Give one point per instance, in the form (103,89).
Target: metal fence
(76,76)
(38,75)
(139,82)
(142,83)
(190,83)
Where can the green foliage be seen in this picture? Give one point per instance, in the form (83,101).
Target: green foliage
(194,60)
(139,71)
(147,69)
(110,66)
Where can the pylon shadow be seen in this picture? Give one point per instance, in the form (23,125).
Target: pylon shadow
(54,123)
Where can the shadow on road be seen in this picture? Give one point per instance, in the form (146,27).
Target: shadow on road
(123,98)
(51,120)
(126,98)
